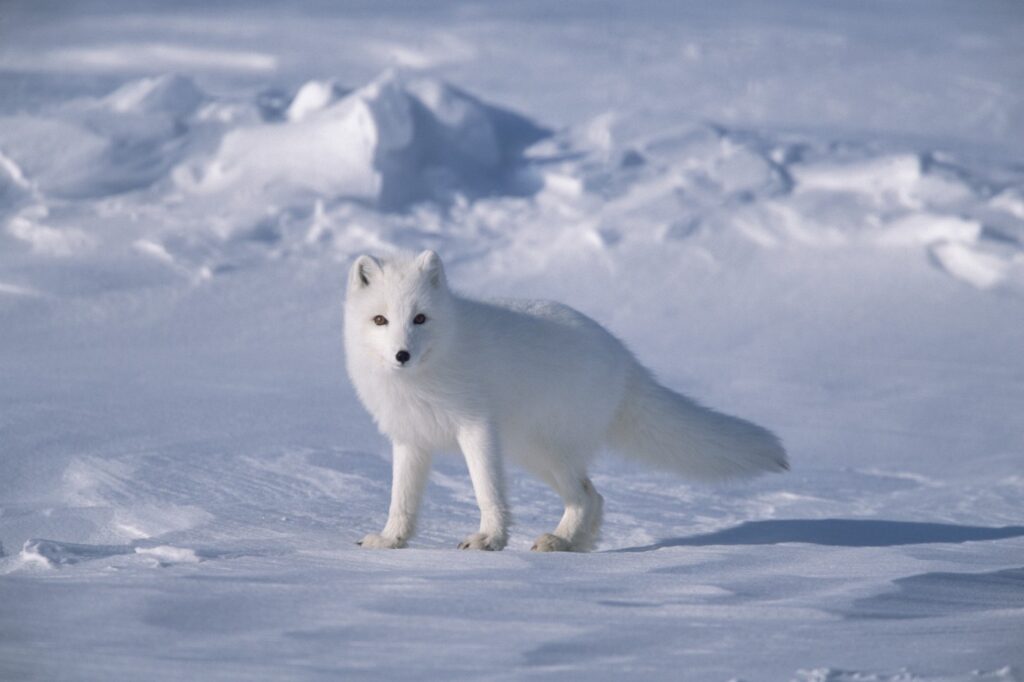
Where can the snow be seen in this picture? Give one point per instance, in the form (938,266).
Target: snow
(811,216)
(391,142)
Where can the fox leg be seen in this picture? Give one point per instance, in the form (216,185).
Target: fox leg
(409,471)
(580,526)
(479,445)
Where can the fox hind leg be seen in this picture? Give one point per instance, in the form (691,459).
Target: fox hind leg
(580,527)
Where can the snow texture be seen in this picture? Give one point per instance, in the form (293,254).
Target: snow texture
(808,215)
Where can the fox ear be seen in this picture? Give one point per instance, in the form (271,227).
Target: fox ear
(430,264)
(364,271)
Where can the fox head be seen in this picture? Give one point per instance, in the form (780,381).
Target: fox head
(397,311)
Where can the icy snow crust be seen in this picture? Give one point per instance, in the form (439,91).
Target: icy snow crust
(805,216)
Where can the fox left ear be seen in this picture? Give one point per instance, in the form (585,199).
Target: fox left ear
(430,264)
(364,271)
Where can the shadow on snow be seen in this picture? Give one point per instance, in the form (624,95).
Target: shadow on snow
(837,533)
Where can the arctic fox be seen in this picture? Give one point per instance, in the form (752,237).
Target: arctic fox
(533,382)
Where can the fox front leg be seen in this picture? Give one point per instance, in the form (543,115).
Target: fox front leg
(479,445)
(409,470)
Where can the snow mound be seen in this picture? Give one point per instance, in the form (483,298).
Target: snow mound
(168,94)
(96,147)
(721,189)
(312,97)
(392,142)
(978,268)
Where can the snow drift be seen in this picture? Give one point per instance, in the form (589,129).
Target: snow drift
(391,142)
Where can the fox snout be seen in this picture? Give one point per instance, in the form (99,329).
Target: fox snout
(402,356)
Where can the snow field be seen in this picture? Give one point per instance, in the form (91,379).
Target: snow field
(812,217)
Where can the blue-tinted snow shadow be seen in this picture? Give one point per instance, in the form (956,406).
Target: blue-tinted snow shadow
(837,533)
(928,595)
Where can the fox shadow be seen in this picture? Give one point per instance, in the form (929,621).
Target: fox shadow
(837,533)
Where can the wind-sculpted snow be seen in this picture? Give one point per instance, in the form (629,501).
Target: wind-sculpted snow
(96,147)
(812,216)
(394,141)
(232,176)
(782,191)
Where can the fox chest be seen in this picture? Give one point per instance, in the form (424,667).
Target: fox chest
(416,416)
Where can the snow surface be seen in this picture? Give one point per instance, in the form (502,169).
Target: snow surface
(810,215)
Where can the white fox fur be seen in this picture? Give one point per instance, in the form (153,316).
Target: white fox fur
(532,382)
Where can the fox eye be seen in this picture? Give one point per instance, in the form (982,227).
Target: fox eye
(380,320)
(419,319)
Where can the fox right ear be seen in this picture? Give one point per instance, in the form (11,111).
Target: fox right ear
(430,263)
(363,271)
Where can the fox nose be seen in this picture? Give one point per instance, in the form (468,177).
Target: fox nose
(402,356)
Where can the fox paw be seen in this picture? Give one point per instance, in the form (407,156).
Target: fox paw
(551,543)
(374,541)
(484,541)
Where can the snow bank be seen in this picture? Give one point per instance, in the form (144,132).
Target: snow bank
(91,148)
(396,140)
(244,179)
(709,185)
(172,95)
(312,97)
(391,142)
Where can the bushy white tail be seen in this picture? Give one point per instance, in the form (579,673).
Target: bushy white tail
(674,433)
